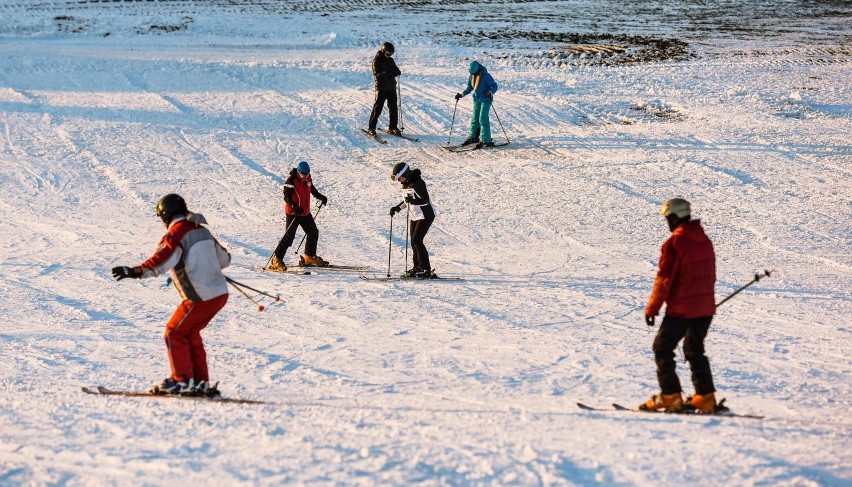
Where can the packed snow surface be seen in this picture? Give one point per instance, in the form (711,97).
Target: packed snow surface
(611,108)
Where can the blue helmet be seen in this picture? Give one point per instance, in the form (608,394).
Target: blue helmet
(303,168)
(474,67)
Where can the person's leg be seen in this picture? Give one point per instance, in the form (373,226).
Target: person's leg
(670,333)
(415,256)
(378,105)
(309,226)
(693,351)
(287,239)
(474,119)
(202,315)
(485,122)
(418,232)
(393,110)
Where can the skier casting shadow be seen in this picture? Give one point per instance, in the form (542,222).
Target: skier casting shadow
(421,213)
(195,261)
(685,282)
(385,73)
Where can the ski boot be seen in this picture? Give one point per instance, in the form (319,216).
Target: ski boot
(313,261)
(425,274)
(169,386)
(394,132)
(277,265)
(488,144)
(670,403)
(702,403)
(371,132)
(411,272)
(206,389)
(470,140)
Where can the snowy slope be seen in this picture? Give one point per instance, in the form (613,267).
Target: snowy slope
(107,106)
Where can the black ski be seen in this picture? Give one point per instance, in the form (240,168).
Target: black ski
(403,136)
(721,411)
(374,137)
(463,148)
(398,278)
(472,147)
(103,391)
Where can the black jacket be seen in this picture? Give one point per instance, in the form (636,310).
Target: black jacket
(418,196)
(385,72)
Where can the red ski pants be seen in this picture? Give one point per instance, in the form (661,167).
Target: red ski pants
(187,357)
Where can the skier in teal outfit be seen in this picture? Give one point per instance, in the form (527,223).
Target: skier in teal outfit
(483,87)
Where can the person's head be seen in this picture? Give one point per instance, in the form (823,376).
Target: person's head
(303,169)
(387,49)
(170,206)
(400,172)
(676,211)
(474,68)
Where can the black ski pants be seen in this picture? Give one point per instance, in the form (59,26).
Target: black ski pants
(418,230)
(292,223)
(383,96)
(692,331)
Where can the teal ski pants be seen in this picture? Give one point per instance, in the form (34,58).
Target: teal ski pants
(479,123)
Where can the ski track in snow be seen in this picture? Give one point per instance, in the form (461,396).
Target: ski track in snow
(107,106)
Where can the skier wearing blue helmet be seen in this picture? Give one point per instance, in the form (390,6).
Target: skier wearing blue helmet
(483,87)
(298,189)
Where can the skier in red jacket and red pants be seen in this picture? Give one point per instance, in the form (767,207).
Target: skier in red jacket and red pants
(686,283)
(195,260)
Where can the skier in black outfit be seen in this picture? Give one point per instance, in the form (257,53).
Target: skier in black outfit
(422,214)
(385,73)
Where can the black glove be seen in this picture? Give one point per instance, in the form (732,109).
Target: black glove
(459,96)
(323,199)
(296,209)
(409,199)
(649,320)
(489,95)
(394,210)
(123,272)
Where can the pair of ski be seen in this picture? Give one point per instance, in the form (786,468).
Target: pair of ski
(721,410)
(103,391)
(383,141)
(471,147)
(311,269)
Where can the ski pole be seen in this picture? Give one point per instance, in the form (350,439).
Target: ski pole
(305,235)
(285,233)
(239,287)
(407,226)
(390,236)
(239,284)
(501,123)
(757,277)
(452,123)
(399,104)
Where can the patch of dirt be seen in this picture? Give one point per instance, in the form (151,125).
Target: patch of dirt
(595,49)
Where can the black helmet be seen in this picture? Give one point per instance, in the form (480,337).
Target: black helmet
(387,47)
(169,206)
(399,170)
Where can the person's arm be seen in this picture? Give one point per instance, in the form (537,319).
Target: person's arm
(665,278)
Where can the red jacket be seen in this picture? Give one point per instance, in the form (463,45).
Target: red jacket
(298,191)
(687,277)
